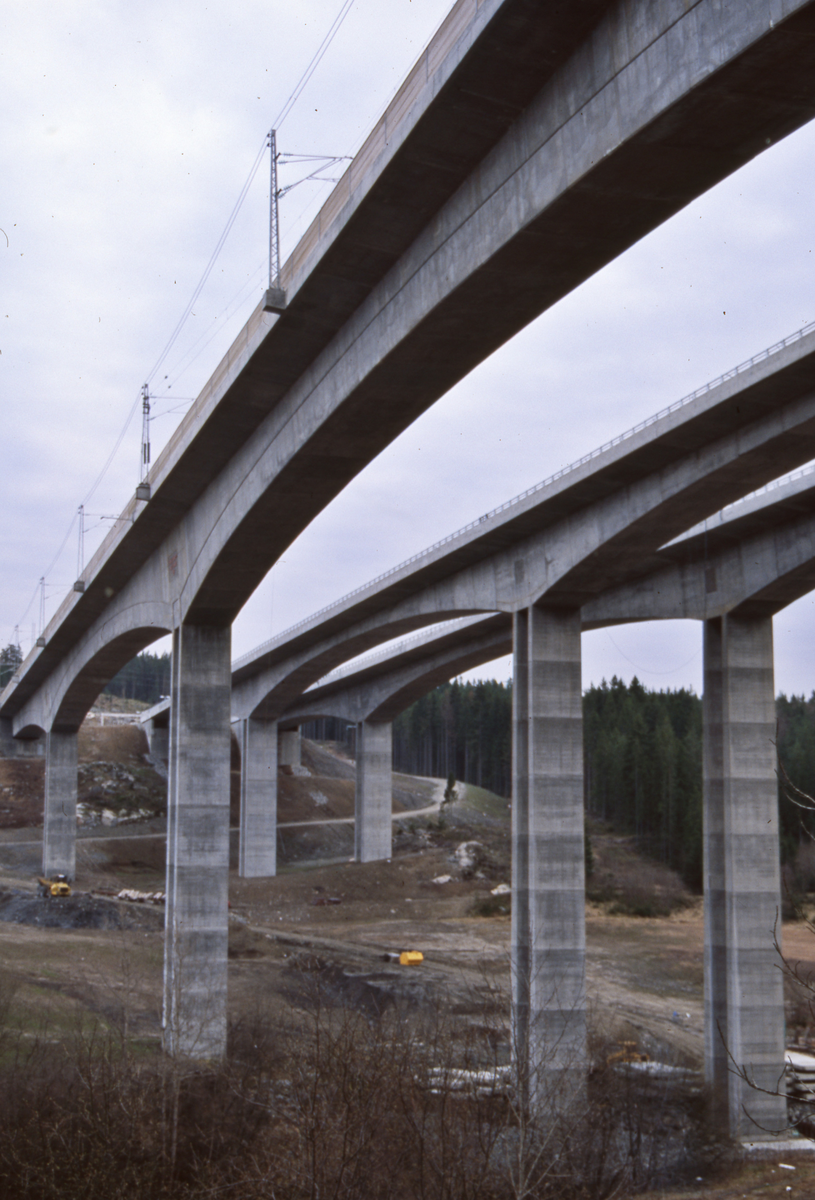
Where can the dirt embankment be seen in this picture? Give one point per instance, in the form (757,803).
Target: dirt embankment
(22,790)
(114,775)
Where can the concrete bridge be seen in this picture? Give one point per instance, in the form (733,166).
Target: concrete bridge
(732,574)
(527,148)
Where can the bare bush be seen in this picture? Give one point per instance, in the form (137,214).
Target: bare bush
(343,1103)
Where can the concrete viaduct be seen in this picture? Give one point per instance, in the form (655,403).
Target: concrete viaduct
(527,148)
(732,574)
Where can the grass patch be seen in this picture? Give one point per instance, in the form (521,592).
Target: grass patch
(482,801)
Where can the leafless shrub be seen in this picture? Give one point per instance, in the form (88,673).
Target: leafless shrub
(340,1103)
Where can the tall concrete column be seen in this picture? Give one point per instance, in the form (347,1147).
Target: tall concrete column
(548,857)
(744,1003)
(373,820)
(257,854)
(289,748)
(59,822)
(158,739)
(195,946)
(7,748)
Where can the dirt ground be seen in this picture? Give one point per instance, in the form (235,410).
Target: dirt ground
(644,975)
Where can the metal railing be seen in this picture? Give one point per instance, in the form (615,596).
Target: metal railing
(769,487)
(622,437)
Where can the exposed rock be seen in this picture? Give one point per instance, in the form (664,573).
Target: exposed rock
(469,856)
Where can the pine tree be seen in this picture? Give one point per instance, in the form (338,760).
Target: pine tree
(10,659)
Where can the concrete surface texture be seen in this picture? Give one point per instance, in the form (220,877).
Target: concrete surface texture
(257,845)
(776,516)
(598,526)
(374,791)
(195,943)
(744,1002)
(548,865)
(288,744)
(754,558)
(587,127)
(59,818)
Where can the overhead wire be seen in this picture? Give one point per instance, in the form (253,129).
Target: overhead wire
(213,258)
(114,451)
(334,28)
(294,95)
(188,358)
(345,8)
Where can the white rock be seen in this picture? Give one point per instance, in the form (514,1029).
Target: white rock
(503,889)
(468,856)
(443,879)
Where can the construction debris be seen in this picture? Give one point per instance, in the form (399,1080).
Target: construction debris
(137,897)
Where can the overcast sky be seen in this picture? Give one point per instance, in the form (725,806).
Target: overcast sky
(128,133)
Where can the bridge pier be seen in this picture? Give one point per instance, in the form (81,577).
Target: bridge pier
(744,1002)
(548,858)
(195,943)
(59,819)
(158,738)
(257,853)
(373,805)
(7,747)
(289,748)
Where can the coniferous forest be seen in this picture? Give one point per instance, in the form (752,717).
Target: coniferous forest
(146,677)
(461,729)
(642,753)
(642,758)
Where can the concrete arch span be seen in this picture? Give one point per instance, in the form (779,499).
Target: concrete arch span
(29,733)
(601,526)
(97,672)
(84,676)
(101,656)
(63,703)
(383,699)
(266,695)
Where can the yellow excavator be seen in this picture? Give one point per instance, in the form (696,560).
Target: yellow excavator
(58,886)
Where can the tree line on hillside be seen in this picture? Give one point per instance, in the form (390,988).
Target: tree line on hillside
(642,751)
(642,758)
(642,754)
(146,677)
(10,658)
(461,729)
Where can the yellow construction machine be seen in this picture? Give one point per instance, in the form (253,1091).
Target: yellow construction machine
(58,886)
